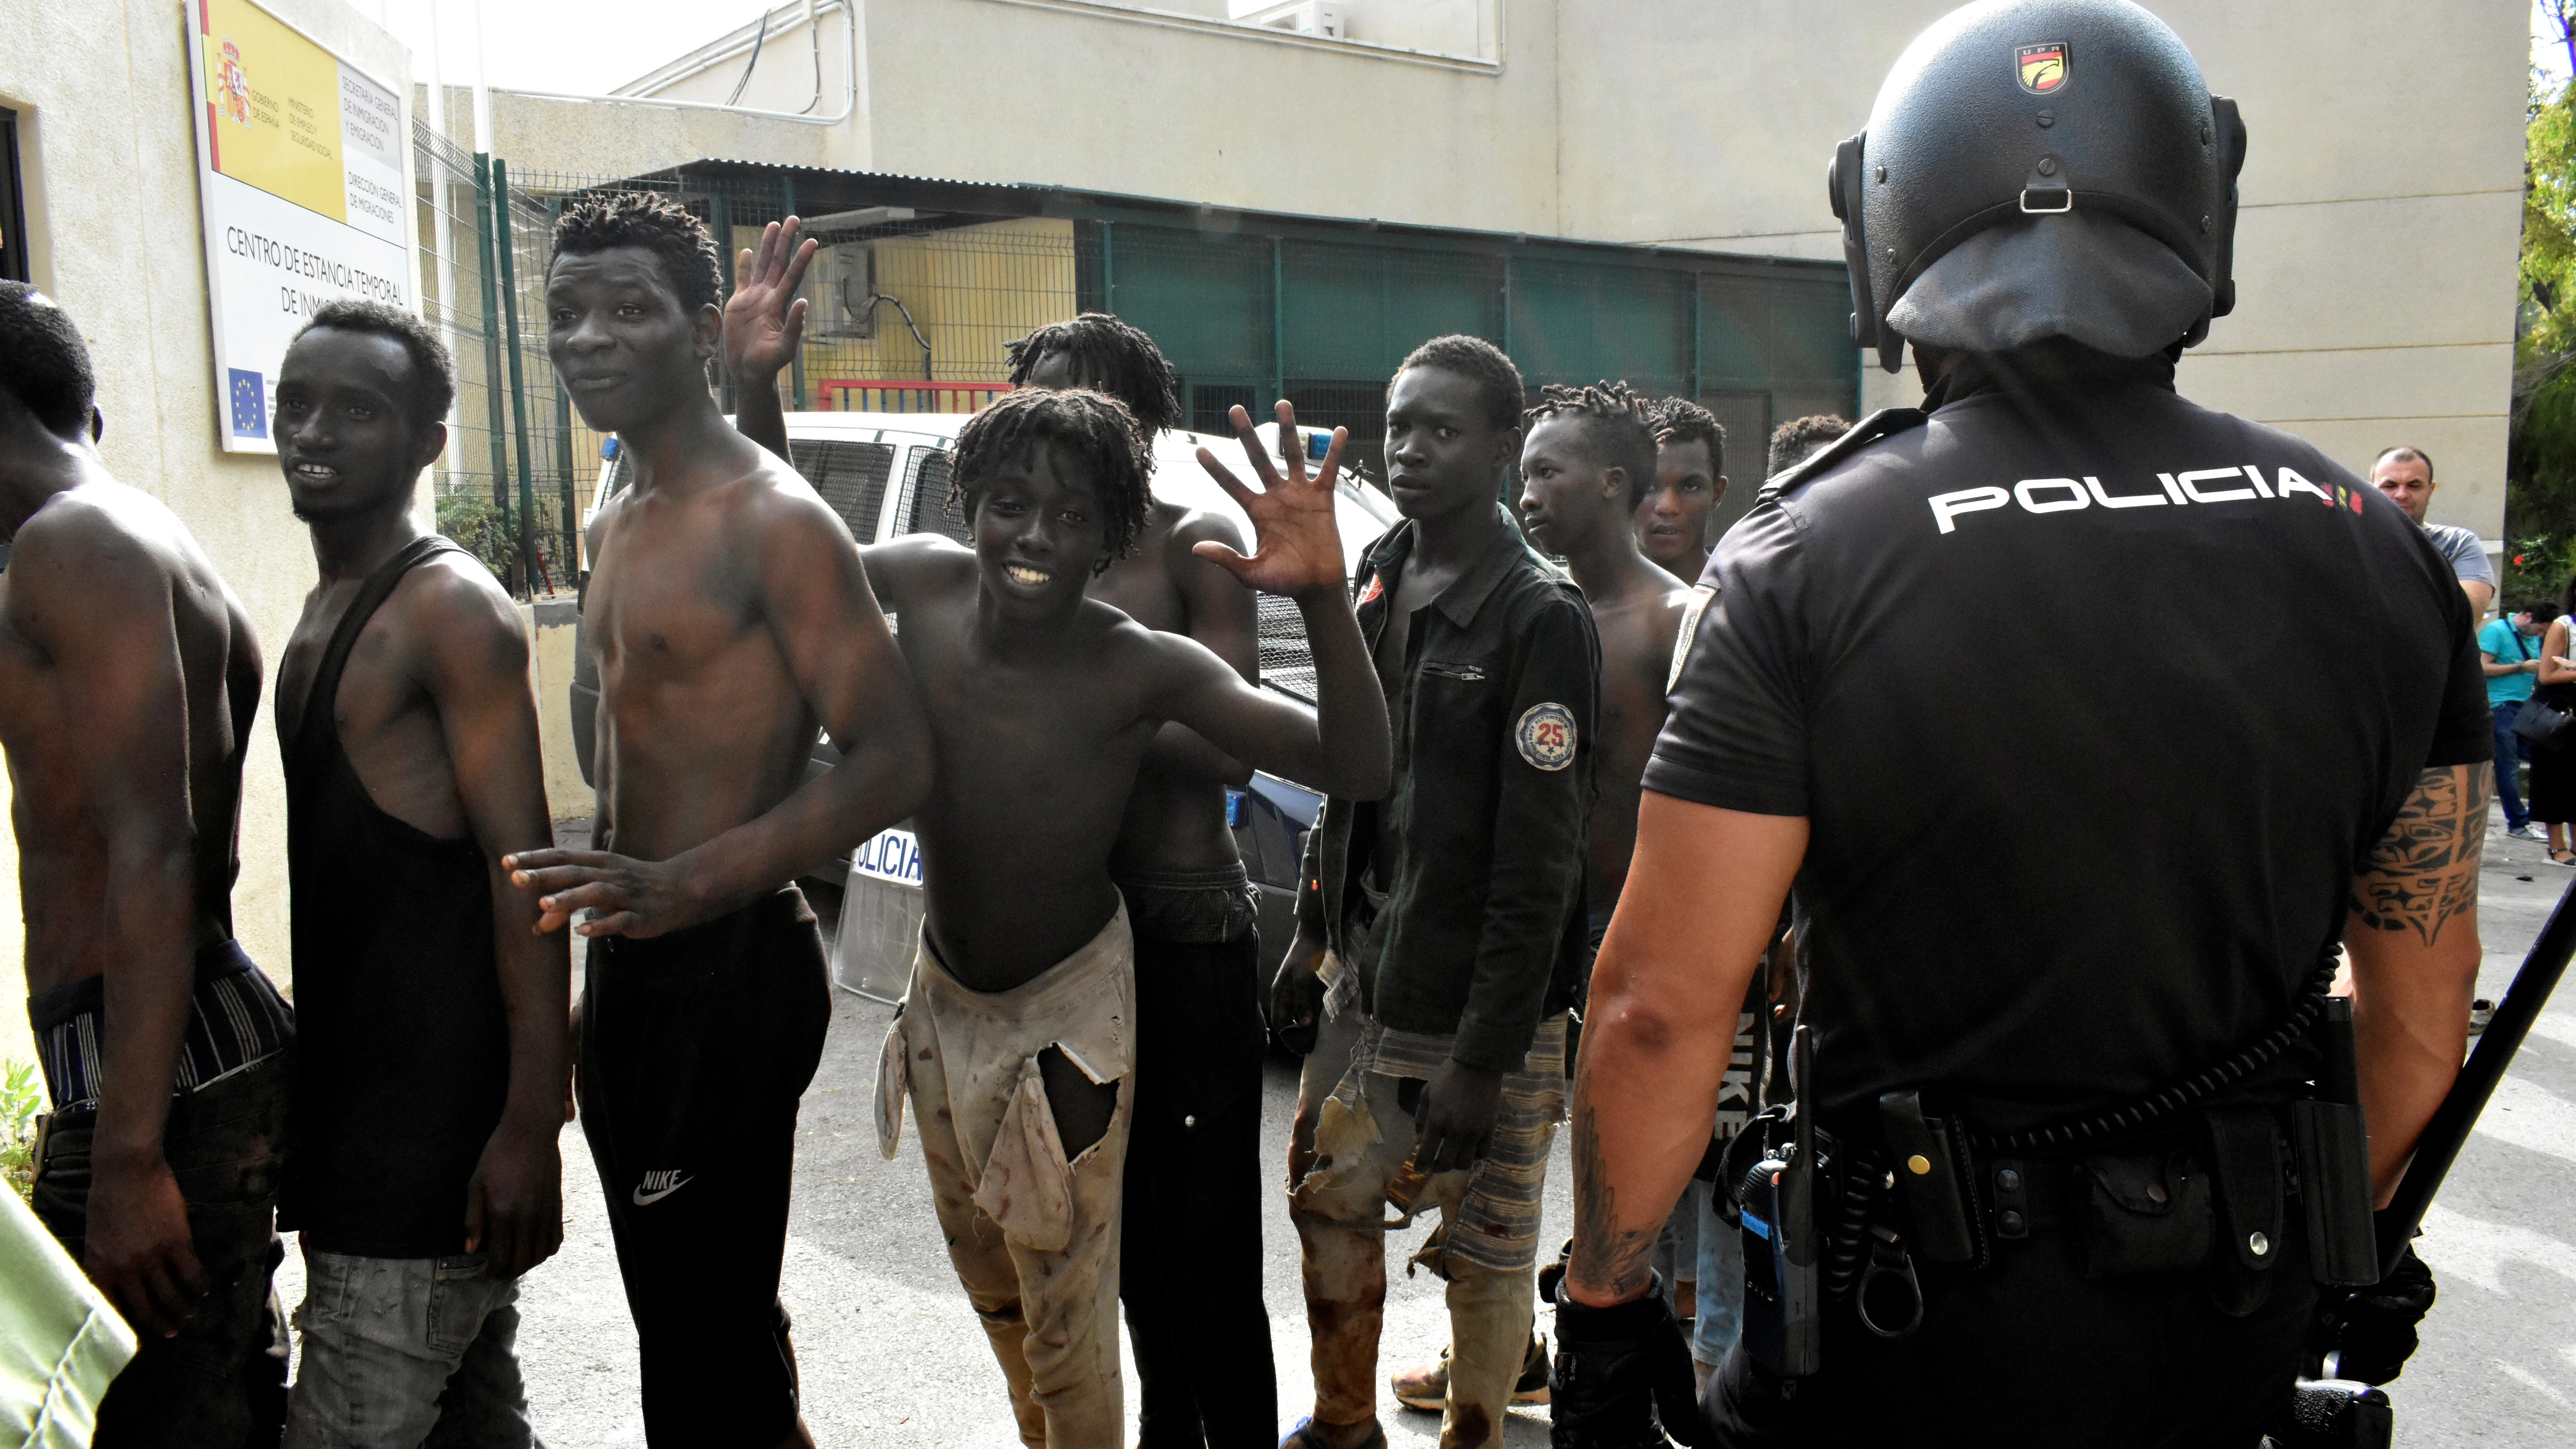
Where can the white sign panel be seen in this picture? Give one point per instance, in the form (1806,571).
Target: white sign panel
(302,177)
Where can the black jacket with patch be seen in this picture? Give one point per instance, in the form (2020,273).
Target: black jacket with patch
(1483,932)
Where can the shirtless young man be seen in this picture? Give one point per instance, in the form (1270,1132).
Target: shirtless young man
(1191,1275)
(1195,1187)
(1016,1040)
(1690,478)
(732,618)
(128,681)
(1589,453)
(430,1079)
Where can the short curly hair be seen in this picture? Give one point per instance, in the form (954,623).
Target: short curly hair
(1679,420)
(44,364)
(1091,431)
(655,222)
(1113,357)
(1612,421)
(433,372)
(1799,439)
(1498,382)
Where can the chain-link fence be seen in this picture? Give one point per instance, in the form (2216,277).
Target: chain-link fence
(911,308)
(473,504)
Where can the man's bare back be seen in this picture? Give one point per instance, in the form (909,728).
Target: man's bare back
(129,677)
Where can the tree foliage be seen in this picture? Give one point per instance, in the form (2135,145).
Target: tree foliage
(2540,491)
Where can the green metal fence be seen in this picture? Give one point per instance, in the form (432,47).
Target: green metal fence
(919,287)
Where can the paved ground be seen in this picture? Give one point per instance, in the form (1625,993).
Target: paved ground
(892,1356)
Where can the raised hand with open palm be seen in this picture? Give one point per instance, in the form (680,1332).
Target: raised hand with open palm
(1297,544)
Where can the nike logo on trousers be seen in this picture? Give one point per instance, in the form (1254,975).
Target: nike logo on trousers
(659,1185)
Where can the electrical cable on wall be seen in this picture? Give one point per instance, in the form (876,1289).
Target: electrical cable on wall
(874,298)
(759,37)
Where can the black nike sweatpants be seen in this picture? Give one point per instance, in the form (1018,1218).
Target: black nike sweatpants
(695,1048)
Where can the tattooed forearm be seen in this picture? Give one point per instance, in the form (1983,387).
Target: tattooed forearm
(2424,872)
(1606,1258)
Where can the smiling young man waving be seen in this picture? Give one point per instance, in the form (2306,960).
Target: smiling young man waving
(1017,1038)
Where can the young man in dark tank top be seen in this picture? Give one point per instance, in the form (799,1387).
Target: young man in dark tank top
(732,620)
(430,1085)
(128,682)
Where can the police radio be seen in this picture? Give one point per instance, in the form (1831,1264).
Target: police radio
(1783,1252)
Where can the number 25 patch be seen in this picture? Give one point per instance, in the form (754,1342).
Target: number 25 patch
(1546,736)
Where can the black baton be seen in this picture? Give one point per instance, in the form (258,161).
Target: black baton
(2449,1130)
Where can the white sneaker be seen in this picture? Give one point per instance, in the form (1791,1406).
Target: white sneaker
(2528,831)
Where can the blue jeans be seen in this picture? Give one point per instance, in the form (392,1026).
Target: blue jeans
(2510,750)
(1721,1280)
(419,1353)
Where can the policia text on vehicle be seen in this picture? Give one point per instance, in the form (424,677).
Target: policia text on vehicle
(2087,723)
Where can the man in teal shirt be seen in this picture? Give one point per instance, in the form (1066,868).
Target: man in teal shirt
(2511,649)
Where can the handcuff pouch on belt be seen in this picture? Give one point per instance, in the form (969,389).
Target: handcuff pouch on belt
(2156,1192)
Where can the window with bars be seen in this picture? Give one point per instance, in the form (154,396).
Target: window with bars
(850,476)
(934,510)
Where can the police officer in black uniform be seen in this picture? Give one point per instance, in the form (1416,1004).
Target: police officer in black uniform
(2086,722)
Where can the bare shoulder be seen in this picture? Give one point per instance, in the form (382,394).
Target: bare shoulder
(783,506)
(1198,525)
(919,565)
(1134,651)
(97,537)
(460,614)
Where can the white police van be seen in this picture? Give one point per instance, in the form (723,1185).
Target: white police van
(887,475)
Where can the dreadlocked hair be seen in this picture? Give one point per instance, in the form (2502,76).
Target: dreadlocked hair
(1799,439)
(1090,433)
(1497,381)
(1615,426)
(1679,420)
(1112,357)
(655,222)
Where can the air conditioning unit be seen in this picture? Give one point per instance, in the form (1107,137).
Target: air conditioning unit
(842,288)
(1304,17)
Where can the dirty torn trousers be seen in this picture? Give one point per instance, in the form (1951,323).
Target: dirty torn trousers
(1350,1148)
(1033,1236)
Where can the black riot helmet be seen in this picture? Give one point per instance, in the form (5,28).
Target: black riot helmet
(2039,168)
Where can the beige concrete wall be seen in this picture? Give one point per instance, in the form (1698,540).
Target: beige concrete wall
(1090,96)
(102,91)
(2375,253)
(551,627)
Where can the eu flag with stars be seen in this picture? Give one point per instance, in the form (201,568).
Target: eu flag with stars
(250,404)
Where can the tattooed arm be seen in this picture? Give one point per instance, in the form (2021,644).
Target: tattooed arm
(1702,900)
(2413,940)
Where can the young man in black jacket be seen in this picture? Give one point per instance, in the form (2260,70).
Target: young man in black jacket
(1439,929)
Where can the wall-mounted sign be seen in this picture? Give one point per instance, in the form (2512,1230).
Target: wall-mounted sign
(303,177)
